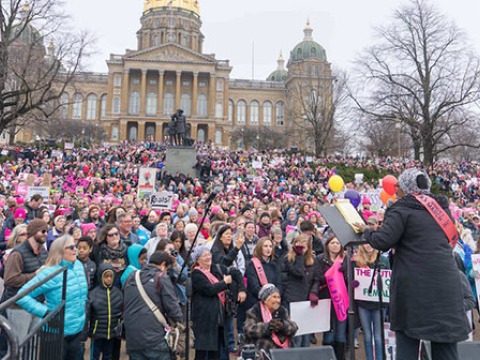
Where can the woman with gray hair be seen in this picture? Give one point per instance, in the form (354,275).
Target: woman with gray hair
(426,298)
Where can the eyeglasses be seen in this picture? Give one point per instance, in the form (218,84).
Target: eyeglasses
(43,231)
(71,247)
(113,234)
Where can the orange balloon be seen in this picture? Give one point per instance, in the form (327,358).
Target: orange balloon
(384,196)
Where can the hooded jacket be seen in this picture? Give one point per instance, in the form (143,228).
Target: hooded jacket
(133,253)
(104,306)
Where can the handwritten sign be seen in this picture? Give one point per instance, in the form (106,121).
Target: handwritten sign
(69,146)
(44,191)
(338,290)
(146,182)
(161,200)
(71,183)
(364,277)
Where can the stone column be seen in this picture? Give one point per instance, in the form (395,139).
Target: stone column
(160,95)
(143,93)
(122,131)
(225,99)
(141,131)
(108,110)
(177,90)
(212,97)
(158,131)
(194,95)
(125,86)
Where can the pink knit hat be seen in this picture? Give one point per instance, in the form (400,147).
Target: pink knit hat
(87,227)
(20,213)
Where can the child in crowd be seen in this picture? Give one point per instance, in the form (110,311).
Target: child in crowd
(105,312)
(137,258)
(84,248)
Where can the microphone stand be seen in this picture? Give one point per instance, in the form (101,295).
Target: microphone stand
(377,271)
(188,285)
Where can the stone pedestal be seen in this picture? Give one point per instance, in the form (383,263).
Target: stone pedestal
(181,159)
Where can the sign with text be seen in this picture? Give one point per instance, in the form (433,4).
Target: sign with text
(161,200)
(257,164)
(69,146)
(476,267)
(364,277)
(71,183)
(44,191)
(146,182)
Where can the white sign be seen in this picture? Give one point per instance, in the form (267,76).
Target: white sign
(358,178)
(161,200)
(309,159)
(364,277)
(390,342)
(69,146)
(311,319)
(42,190)
(146,182)
(257,164)
(476,267)
(57,154)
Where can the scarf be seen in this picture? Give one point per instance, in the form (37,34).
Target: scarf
(213,280)
(266,318)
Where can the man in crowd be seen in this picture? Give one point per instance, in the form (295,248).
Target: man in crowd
(125,224)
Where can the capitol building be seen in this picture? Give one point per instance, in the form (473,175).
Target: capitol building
(169,70)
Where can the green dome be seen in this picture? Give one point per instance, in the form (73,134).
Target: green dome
(308,50)
(278,75)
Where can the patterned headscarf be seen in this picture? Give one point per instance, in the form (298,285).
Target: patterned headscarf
(408,181)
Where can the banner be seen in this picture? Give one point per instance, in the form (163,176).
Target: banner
(146,182)
(338,290)
(69,146)
(71,183)
(161,200)
(476,267)
(364,277)
(257,164)
(44,191)
(57,154)
(309,319)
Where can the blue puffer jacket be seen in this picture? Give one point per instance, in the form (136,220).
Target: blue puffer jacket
(77,289)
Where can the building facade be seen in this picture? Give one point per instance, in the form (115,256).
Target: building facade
(169,70)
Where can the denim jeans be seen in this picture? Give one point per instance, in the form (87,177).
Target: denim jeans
(302,341)
(160,352)
(371,319)
(339,333)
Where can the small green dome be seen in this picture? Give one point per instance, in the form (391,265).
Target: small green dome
(278,75)
(308,48)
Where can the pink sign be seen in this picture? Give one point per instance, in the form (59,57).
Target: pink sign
(71,183)
(21,189)
(338,290)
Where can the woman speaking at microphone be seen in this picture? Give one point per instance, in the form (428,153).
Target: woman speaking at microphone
(426,298)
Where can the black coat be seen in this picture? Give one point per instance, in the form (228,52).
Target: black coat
(207,312)
(426,299)
(272,272)
(299,279)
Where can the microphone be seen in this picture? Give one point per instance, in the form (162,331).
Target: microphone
(216,190)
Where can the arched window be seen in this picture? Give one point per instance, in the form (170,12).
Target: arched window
(77,106)
(218,137)
(219,110)
(116,105)
(280,110)
(91,107)
(156,40)
(149,131)
(254,112)
(103,106)
(186,104)
(241,112)
(132,134)
(267,113)
(202,105)
(151,103)
(134,108)
(63,106)
(299,54)
(230,110)
(201,136)
(314,51)
(168,104)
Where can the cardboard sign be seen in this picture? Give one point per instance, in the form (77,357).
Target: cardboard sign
(309,319)
(44,191)
(146,182)
(364,277)
(161,200)
(69,146)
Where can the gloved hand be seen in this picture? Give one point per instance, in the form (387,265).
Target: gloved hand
(313,299)
(355,284)
(298,249)
(275,325)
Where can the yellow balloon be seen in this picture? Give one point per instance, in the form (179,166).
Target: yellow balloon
(336,183)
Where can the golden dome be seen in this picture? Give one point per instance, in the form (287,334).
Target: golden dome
(187,5)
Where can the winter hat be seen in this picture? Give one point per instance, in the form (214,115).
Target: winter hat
(87,227)
(192,212)
(366,201)
(215,210)
(414,181)
(91,208)
(264,214)
(20,213)
(35,226)
(197,252)
(245,208)
(266,291)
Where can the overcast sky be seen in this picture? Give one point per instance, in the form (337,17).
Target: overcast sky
(342,27)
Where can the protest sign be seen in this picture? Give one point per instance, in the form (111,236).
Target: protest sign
(364,277)
(71,183)
(161,200)
(476,267)
(390,342)
(57,154)
(44,191)
(309,319)
(338,290)
(146,182)
(69,146)
(358,179)
(257,164)
(21,189)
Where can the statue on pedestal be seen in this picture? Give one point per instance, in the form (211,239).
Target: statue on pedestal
(181,127)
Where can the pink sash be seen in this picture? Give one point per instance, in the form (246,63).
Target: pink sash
(260,272)
(266,318)
(441,217)
(338,290)
(213,280)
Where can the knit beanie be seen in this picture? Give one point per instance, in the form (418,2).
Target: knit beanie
(197,252)
(87,227)
(266,291)
(35,226)
(19,213)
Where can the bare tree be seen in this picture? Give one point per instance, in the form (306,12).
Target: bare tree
(315,107)
(83,132)
(33,75)
(421,73)
(259,137)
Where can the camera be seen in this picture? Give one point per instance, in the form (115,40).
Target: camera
(173,252)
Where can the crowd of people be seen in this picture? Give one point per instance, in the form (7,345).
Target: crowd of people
(262,246)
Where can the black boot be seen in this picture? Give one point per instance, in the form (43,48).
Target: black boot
(339,348)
